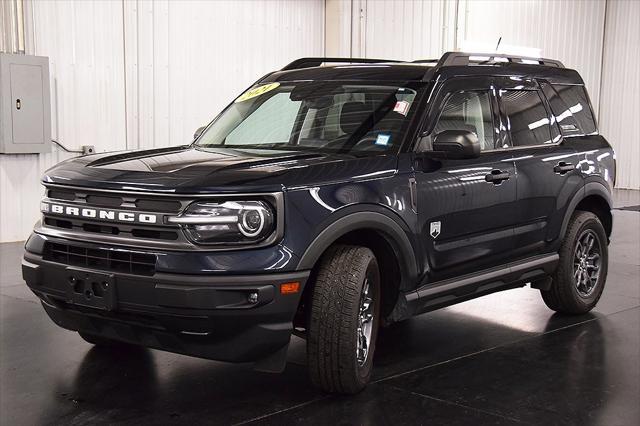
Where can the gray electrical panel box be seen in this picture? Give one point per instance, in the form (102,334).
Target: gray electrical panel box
(25,108)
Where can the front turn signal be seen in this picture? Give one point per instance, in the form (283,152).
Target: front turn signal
(289,288)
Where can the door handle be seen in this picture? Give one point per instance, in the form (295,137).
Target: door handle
(562,168)
(497,176)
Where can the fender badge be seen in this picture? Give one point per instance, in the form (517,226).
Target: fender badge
(435,229)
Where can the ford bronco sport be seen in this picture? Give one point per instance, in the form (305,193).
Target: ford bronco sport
(332,197)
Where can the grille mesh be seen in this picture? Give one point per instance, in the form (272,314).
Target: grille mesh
(100,199)
(109,260)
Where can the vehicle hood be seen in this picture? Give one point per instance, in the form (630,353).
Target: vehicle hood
(191,170)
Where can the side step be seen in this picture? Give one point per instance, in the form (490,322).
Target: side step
(439,294)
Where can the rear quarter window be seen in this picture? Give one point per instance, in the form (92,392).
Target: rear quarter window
(571,108)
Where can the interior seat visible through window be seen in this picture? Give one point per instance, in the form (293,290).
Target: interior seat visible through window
(470,111)
(528,120)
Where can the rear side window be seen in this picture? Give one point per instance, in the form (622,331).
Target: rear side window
(570,105)
(527,118)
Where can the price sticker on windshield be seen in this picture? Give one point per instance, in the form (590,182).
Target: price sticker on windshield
(257,91)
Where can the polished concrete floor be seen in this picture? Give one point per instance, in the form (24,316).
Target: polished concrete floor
(502,359)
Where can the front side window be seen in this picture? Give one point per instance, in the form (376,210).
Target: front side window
(471,111)
(527,118)
(321,115)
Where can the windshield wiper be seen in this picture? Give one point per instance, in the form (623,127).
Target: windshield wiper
(285,145)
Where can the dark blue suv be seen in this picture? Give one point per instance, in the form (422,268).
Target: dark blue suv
(330,200)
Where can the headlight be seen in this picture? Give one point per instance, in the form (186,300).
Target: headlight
(230,222)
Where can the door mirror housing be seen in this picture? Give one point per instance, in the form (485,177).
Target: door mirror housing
(198,132)
(457,144)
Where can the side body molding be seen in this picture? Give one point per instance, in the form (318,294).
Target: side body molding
(388,228)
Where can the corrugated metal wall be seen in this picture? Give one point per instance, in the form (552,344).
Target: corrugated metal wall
(129,74)
(408,29)
(619,107)
(83,41)
(186,60)
(571,31)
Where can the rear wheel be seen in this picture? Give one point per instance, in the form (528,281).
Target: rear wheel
(343,322)
(582,270)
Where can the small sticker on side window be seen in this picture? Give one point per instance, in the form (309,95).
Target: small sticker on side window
(383,139)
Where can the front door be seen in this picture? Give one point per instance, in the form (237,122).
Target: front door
(466,208)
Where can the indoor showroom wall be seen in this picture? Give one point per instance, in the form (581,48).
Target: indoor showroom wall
(141,74)
(599,38)
(138,74)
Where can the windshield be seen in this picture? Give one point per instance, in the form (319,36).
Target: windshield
(318,116)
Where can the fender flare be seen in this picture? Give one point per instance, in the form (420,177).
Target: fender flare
(389,229)
(589,189)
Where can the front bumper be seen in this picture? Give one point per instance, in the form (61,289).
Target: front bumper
(208,316)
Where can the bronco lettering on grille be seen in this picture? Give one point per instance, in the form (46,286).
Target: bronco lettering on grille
(100,214)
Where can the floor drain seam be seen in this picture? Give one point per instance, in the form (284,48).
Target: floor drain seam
(457,404)
(284,410)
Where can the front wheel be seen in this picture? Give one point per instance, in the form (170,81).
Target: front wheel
(582,269)
(343,322)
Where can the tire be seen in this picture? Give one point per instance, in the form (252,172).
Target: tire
(333,323)
(570,292)
(99,340)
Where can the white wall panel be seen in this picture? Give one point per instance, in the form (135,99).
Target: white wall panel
(408,29)
(193,58)
(83,41)
(619,107)
(571,31)
(139,74)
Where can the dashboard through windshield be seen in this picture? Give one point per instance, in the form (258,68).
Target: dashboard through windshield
(316,116)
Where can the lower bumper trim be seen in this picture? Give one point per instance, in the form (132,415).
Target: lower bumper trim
(205,316)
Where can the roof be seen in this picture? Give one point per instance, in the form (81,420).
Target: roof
(451,64)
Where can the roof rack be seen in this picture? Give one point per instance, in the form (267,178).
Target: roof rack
(447,59)
(317,61)
(465,58)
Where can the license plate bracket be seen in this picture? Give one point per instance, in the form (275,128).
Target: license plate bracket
(91,289)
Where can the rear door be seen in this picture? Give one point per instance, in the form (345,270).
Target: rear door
(545,165)
(465,218)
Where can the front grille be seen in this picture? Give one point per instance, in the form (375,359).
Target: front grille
(108,200)
(157,235)
(128,262)
(126,231)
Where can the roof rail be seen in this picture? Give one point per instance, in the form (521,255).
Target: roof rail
(465,58)
(317,61)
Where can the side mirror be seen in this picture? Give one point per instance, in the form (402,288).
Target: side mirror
(457,144)
(198,132)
